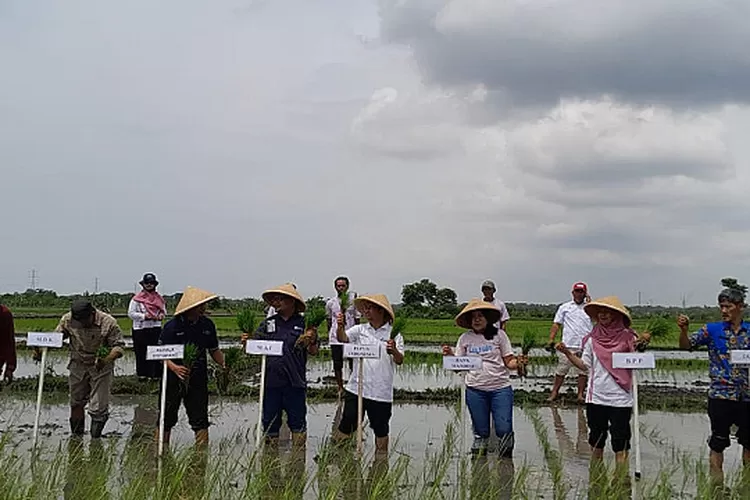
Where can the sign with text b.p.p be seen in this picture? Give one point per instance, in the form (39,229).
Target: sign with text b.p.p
(462,363)
(162,352)
(634,360)
(362,350)
(265,347)
(44,339)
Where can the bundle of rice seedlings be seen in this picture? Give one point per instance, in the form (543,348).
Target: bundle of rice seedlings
(189,355)
(527,344)
(247,321)
(233,358)
(658,327)
(314,317)
(344,301)
(399,324)
(103,352)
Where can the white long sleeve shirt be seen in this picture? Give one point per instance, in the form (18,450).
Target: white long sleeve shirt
(137,312)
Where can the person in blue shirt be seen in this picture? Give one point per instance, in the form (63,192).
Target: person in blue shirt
(728,394)
(286,375)
(189,384)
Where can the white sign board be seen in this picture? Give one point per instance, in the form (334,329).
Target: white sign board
(49,339)
(634,360)
(462,363)
(739,357)
(267,347)
(361,350)
(158,352)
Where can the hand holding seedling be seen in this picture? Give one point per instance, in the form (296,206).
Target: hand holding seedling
(447,350)
(339,319)
(182,372)
(390,347)
(309,337)
(562,348)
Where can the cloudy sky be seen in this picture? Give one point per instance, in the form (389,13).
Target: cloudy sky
(238,144)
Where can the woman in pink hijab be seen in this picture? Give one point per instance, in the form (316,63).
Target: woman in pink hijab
(609,395)
(147,310)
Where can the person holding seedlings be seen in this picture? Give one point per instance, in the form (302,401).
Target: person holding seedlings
(7,343)
(488,390)
(488,290)
(377,383)
(95,343)
(286,375)
(147,310)
(576,324)
(729,392)
(344,300)
(609,398)
(187,379)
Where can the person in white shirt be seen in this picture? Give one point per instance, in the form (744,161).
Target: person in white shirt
(488,290)
(351,318)
(609,398)
(488,390)
(576,324)
(377,380)
(147,309)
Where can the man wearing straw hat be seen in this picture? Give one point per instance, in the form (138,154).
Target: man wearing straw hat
(729,392)
(377,383)
(189,384)
(286,375)
(90,377)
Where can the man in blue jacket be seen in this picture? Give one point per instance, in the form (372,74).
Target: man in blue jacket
(729,393)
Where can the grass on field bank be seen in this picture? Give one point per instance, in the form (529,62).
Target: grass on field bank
(420,331)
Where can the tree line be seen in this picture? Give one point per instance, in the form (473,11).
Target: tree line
(421,299)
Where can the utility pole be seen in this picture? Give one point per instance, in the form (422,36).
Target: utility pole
(96,286)
(639,299)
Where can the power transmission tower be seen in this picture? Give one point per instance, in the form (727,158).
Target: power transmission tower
(33,277)
(96,286)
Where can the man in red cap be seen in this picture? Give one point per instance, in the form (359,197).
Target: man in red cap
(576,324)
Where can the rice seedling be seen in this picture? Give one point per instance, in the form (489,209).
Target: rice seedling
(398,327)
(233,359)
(247,321)
(189,356)
(315,317)
(103,352)
(344,301)
(528,343)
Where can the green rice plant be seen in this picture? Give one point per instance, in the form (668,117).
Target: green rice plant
(398,327)
(528,343)
(233,360)
(189,356)
(344,301)
(315,317)
(247,321)
(103,352)
(658,327)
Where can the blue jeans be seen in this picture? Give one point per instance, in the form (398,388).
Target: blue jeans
(497,403)
(292,400)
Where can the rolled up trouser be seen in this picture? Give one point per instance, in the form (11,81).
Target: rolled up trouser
(91,386)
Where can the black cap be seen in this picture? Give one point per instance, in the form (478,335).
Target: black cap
(149,278)
(81,309)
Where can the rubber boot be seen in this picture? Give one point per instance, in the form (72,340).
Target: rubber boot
(97,426)
(479,447)
(201,438)
(77,426)
(505,445)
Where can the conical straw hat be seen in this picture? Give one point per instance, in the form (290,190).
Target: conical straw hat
(612,303)
(464,317)
(193,297)
(377,299)
(288,290)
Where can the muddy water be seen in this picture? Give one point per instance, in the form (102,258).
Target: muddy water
(408,376)
(417,431)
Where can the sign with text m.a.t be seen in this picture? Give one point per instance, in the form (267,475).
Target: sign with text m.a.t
(267,347)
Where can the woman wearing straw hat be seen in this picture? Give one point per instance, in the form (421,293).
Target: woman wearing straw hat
(377,383)
(488,390)
(609,398)
(189,384)
(286,375)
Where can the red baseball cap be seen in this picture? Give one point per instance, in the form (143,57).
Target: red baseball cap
(580,286)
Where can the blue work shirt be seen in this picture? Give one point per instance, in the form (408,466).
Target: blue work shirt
(202,334)
(728,381)
(289,369)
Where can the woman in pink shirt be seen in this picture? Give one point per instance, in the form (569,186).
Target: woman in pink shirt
(488,390)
